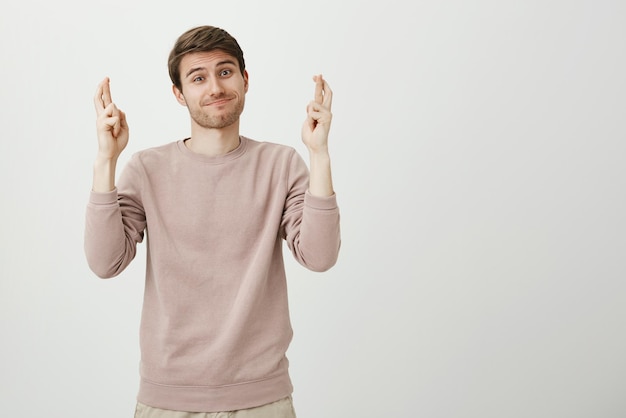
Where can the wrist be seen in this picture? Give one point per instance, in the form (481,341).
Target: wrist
(102,159)
(319,153)
(104,174)
(320,178)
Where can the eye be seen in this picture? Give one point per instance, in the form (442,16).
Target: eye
(198,79)
(225,73)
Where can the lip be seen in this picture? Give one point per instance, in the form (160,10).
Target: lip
(218,102)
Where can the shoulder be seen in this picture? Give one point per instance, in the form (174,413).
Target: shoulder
(155,155)
(282,160)
(268,149)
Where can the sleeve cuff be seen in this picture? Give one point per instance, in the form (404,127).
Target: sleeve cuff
(318,202)
(103,198)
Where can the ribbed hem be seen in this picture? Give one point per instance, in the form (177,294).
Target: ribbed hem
(318,202)
(215,398)
(103,198)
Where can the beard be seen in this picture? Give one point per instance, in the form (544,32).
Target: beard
(208,121)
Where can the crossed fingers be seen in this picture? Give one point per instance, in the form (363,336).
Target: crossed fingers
(323,93)
(108,114)
(102,99)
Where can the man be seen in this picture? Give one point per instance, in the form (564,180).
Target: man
(216,207)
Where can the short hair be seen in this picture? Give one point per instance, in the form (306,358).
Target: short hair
(202,39)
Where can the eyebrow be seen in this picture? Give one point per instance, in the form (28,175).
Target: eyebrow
(195,69)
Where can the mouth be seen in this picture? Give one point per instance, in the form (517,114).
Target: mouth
(219,102)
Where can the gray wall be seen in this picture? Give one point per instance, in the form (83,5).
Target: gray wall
(478,153)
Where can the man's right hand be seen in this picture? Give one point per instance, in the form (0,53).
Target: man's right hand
(111,124)
(112,138)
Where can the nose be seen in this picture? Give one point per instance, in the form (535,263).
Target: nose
(215,87)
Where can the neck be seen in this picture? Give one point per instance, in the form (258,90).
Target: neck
(213,142)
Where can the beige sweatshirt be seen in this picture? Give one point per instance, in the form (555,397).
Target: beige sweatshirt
(215,322)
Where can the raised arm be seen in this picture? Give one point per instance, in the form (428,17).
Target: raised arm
(112,138)
(315,136)
(114,224)
(311,218)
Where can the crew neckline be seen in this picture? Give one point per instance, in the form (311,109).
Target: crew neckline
(218,159)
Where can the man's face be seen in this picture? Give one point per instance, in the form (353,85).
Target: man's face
(213,88)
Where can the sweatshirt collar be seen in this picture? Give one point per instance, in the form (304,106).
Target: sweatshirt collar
(219,159)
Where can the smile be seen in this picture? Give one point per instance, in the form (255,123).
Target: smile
(218,102)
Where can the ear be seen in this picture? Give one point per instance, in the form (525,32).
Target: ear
(179,96)
(245,81)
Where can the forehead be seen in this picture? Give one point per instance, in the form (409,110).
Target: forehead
(206,60)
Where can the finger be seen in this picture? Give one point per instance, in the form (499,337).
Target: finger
(311,122)
(117,115)
(106,92)
(320,117)
(97,99)
(111,124)
(111,110)
(319,88)
(113,118)
(117,128)
(123,123)
(318,108)
(317,113)
(328,96)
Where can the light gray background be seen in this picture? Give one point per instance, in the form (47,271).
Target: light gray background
(478,152)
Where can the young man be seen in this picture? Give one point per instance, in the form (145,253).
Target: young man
(216,207)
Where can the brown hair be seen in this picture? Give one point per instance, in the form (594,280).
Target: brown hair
(202,39)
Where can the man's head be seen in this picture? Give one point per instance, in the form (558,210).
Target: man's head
(202,39)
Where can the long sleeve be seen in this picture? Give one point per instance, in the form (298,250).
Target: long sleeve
(310,224)
(114,224)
